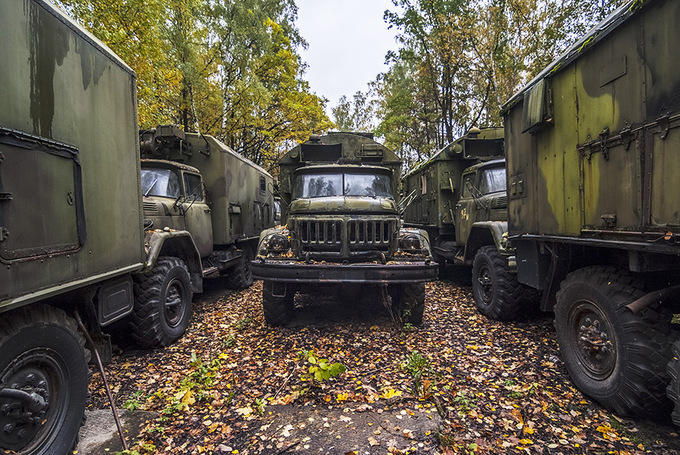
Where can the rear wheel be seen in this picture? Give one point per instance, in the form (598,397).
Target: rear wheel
(277,302)
(162,303)
(43,381)
(498,295)
(408,302)
(241,276)
(612,355)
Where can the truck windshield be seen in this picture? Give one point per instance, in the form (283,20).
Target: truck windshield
(345,184)
(492,181)
(160,182)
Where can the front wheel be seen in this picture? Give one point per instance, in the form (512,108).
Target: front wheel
(277,302)
(408,302)
(498,295)
(241,276)
(162,303)
(43,381)
(612,355)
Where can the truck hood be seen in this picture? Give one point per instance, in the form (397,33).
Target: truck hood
(343,204)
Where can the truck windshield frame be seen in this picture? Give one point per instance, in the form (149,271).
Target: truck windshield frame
(329,184)
(161,183)
(492,180)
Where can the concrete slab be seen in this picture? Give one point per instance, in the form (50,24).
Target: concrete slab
(99,434)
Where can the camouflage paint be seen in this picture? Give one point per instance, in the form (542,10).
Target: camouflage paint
(602,161)
(70,157)
(232,181)
(437,182)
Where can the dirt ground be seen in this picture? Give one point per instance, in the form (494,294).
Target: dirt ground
(458,383)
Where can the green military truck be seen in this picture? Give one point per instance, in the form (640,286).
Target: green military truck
(459,197)
(80,248)
(593,148)
(339,195)
(71,234)
(222,201)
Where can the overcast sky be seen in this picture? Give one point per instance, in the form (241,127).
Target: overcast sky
(348,40)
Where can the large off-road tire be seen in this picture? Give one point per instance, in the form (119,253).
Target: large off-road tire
(241,276)
(408,302)
(162,303)
(673,389)
(277,302)
(43,381)
(614,356)
(498,295)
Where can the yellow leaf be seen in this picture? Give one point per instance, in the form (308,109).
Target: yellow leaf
(342,397)
(526,442)
(390,393)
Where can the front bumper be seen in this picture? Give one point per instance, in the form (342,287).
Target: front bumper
(362,272)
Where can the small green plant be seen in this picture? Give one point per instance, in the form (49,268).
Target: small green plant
(418,366)
(146,447)
(243,323)
(464,401)
(408,327)
(229,341)
(134,402)
(259,406)
(319,370)
(195,386)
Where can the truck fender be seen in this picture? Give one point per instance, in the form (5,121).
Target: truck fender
(178,244)
(485,233)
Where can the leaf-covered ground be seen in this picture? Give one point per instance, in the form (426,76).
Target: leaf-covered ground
(459,383)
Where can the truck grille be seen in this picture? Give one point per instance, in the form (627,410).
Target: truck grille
(345,236)
(369,234)
(321,235)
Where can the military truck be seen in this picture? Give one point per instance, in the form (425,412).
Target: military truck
(593,151)
(195,183)
(71,234)
(79,255)
(459,197)
(339,196)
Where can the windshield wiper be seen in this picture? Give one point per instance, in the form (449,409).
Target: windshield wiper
(151,187)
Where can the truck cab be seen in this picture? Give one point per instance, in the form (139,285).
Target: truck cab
(482,198)
(174,198)
(339,198)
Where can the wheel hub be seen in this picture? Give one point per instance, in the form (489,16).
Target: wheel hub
(486,285)
(24,402)
(595,348)
(173,303)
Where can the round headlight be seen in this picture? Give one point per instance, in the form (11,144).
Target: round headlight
(409,242)
(278,243)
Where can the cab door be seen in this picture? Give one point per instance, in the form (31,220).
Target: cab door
(197,213)
(466,208)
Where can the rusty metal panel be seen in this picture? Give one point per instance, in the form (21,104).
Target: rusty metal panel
(604,159)
(59,84)
(239,192)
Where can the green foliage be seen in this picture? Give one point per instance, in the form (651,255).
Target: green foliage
(195,386)
(229,69)
(464,401)
(243,323)
(319,370)
(229,340)
(460,60)
(355,114)
(134,402)
(259,406)
(420,369)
